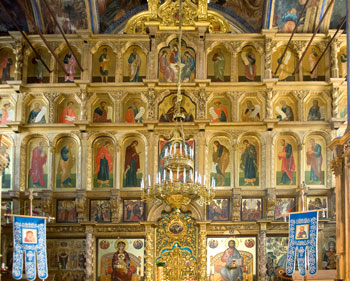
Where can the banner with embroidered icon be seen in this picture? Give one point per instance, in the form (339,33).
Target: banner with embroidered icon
(29,237)
(303,239)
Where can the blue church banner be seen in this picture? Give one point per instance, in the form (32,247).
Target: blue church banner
(303,236)
(29,237)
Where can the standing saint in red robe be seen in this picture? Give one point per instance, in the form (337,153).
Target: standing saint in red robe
(36,171)
(68,114)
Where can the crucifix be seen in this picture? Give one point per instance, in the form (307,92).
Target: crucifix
(31,197)
(303,189)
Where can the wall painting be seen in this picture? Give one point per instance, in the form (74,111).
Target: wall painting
(103,162)
(276,252)
(66,211)
(70,65)
(103,65)
(315,154)
(133,210)
(343,110)
(7,111)
(311,57)
(317,203)
(37,163)
(36,71)
(6,207)
(251,209)
(221,166)
(134,110)
(219,65)
(250,110)
(286,159)
(342,57)
(66,163)
(67,111)
(315,109)
(329,257)
(219,110)
(7,65)
(249,65)
(133,154)
(37,112)
(219,209)
(166,108)
(102,111)
(249,161)
(100,211)
(339,12)
(6,179)
(36,208)
(285,108)
(71,15)
(286,69)
(222,251)
(66,258)
(168,63)
(284,205)
(134,65)
(120,257)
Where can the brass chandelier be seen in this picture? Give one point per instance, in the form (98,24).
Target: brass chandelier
(179,184)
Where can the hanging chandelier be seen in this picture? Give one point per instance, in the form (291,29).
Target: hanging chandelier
(179,184)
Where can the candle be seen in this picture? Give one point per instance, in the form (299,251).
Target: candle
(142,184)
(178,174)
(149,181)
(181,148)
(164,175)
(184,175)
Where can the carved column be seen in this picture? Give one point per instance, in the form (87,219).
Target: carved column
(90,248)
(151,110)
(84,98)
(334,59)
(271,202)
(116,206)
(84,155)
(18,51)
(268,71)
(236,206)
(262,252)
(116,97)
(149,255)
(234,67)
(51,97)
(202,269)
(119,64)
(202,99)
(269,103)
(335,102)
(202,59)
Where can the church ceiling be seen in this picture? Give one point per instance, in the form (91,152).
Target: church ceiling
(110,16)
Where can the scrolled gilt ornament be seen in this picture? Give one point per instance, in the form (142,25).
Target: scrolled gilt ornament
(47,206)
(116,208)
(262,256)
(81,208)
(169,18)
(202,100)
(89,256)
(149,264)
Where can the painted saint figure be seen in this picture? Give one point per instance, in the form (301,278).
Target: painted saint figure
(68,115)
(104,60)
(330,257)
(221,157)
(39,69)
(135,112)
(37,114)
(220,114)
(302,233)
(249,62)
(5,69)
(3,180)
(251,113)
(289,19)
(104,164)
(285,68)
(69,64)
(121,264)
(232,271)
(288,165)
(219,66)
(314,159)
(188,68)
(249,163)
(285,112)
(314,112)
(165,69)
(36,172)
(313,59)
(66,164)
(134,66)
(6,114)
(100,114)
(168,116)
(132,164)
(343,59)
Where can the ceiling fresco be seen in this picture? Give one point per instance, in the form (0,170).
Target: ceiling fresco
(110,16)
